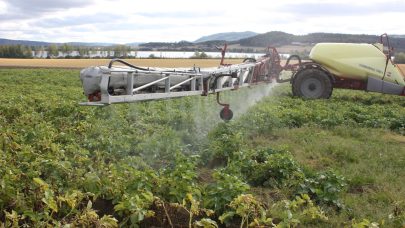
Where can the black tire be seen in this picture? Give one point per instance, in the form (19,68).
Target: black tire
(312,84)
(226,114)
(249,60)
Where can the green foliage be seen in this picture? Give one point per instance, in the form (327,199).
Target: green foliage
(206,223)
(225,142)
(163,145)
(400,58)
(325,187)
(52,50)
(364,223)
(223,190)
(58,160)
(301,210)
(304,55)
(15,51)
(345,108)
(200,55)
(276,169)
(192,206)
(179,180)
(134,208)
(245,206)
(260,121)
(398,125)
(397,217)
(55,155)
(121,51)
(90,218)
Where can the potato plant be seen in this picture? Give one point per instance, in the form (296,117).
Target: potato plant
(170,163)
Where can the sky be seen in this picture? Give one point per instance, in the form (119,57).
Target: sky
(126,21)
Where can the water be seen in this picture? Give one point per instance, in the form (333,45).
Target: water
(188,54)
(157,54)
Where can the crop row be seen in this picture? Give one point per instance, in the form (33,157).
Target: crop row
(166,163)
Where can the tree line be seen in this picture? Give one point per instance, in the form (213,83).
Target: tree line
(15,51)
(53,51)
(122,51)
(400,58)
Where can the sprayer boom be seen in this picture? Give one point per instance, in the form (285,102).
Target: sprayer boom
(125,84)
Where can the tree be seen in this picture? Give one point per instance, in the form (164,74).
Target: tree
(400,58)
(66,48)
(121,50)
(28,52)
(15,51)
(39,50)
(53,50)
(199,55)
(83,51)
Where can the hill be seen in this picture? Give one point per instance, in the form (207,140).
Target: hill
(227,36)
(42,43)
(240,42)
(398,36)
(84,44)
(278,39)
(23,42)
(284,41)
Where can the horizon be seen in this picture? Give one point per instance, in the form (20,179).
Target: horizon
(122,21)
(96,42)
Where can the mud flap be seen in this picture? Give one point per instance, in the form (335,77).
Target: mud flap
(380,86)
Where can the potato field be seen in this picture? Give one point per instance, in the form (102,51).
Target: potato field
(281,162)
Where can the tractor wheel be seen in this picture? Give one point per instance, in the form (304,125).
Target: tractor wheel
(249,60)
(312,84)
(226,114)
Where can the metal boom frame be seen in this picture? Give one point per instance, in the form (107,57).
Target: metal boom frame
(201,83)
(181,82)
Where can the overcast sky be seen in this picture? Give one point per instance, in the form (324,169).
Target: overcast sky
(124,21)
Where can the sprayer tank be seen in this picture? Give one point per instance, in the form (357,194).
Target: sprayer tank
(356,61)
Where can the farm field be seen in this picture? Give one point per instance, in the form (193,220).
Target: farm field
(402,67)
(283,161)
(82,63)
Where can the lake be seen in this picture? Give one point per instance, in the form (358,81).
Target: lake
(156,54)
(188,54)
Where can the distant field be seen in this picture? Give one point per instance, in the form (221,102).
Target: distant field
(81,63)
(402,66)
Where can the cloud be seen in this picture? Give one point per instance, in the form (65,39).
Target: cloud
(124,21)
(180,14)
(22,9)
(95,19)
(39,6)
(322,9)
